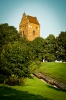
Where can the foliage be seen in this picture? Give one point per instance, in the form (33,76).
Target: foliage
(61,46)
(7,34)
(34,66)
(49,48)
(13,80)
(37,48)
(50,57)
(15,54)
(15,59)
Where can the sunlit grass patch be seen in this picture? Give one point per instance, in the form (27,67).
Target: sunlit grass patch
(34,89)
(54,70)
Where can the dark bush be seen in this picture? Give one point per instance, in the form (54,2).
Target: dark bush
(14,81)
(2,78)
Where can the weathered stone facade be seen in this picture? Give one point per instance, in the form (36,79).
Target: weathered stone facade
(29,27)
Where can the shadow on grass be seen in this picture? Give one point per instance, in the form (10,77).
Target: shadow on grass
(55,88)
(7,93)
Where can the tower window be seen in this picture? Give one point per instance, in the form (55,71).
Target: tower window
(23,32)
(36,27)
(33,33)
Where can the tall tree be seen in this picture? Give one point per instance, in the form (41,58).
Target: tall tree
(37,48)
(49,48)
(8,34)
(61,46)
(15,53)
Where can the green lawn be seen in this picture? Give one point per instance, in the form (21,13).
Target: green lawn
(54,70)
(34,89)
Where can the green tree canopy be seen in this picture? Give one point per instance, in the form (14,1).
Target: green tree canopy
(15,60)
(15,53)
(49,48)
(8,34)
(37,48)
(61,46)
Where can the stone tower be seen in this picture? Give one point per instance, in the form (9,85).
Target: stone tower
(29,27)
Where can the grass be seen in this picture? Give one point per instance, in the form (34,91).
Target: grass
(35,89)
(54,70)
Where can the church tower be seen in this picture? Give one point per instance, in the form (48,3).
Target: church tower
(29,27)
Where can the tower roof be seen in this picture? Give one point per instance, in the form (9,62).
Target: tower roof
(32,19)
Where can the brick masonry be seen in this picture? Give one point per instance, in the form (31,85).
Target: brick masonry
(29,27)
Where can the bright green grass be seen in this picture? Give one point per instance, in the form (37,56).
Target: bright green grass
(35,89)
(54,70)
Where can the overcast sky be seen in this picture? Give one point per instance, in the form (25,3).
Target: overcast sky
(51,14)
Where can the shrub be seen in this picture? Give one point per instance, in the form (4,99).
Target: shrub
(14,81)
(2,78)
(34,66)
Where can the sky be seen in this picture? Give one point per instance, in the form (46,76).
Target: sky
(51,14)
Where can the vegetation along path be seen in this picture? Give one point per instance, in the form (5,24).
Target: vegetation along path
(51,81)
(53,73)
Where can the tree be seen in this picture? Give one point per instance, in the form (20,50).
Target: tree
(61,46)
(8,34)
(37,48)
(15,54)
(15,60)
(49,48)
